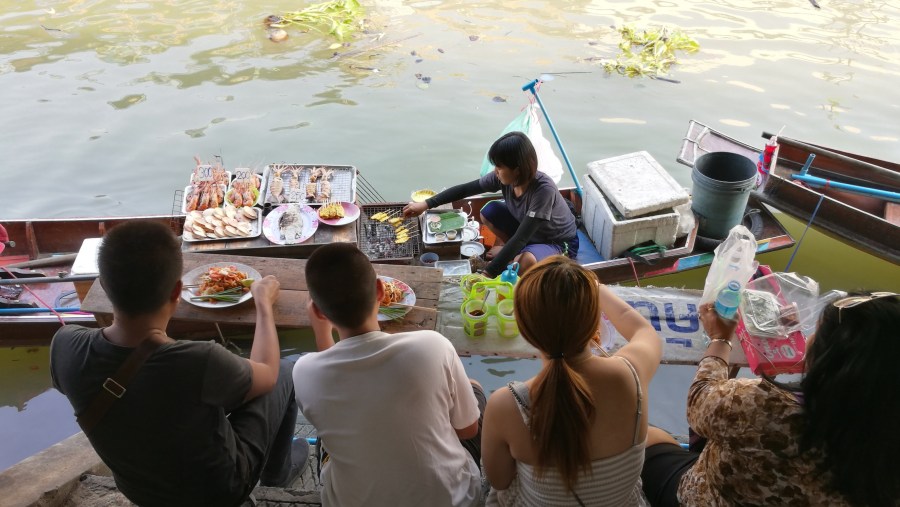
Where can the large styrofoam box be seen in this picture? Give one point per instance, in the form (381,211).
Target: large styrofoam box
(612,234)
(636,184)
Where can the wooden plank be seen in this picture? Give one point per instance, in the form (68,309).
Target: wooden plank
(290,307)
(289,311)
(416,320)
(425,282)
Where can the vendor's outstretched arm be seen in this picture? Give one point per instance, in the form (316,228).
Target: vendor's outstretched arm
(515,245)
(455,193)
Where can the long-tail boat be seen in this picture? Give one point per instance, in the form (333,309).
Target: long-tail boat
(45,250)
(865,221)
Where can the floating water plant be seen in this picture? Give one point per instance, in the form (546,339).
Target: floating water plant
(649,52)
(339,17)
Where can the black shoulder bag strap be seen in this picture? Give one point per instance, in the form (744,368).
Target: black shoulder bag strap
(113,387)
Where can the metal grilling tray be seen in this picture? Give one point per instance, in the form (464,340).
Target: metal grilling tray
(377,239)
(313,185)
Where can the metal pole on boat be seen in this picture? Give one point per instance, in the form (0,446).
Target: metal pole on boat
(48,279)
(815,181)
(29,311)
(530,87)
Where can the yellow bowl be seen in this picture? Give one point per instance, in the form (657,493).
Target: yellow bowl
(421,195)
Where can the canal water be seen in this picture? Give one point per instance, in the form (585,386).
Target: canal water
(105,103)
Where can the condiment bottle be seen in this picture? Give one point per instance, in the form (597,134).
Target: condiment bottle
(511,275)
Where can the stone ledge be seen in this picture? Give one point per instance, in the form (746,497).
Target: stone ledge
(48,477)
(100,491)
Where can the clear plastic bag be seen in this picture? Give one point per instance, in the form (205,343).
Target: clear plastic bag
(776,305)
(529,122)
(734,262)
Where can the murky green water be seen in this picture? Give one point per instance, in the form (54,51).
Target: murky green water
(106,104)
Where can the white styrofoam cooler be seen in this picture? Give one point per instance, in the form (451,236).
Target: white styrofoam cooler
(636,184)
(612,234)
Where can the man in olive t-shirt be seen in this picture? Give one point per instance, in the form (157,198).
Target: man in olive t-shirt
(197,425)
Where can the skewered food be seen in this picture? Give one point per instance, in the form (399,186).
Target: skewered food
(331,211)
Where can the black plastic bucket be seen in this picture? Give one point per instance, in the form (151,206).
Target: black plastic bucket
(722,185)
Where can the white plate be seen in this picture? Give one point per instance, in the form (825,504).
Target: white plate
(309,222)
(351,213)
(409,297)
(192,277)
(470,248)
(469,234)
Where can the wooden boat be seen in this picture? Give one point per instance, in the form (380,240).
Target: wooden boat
(684,255)
(58,240)
(868,223)
(48,248)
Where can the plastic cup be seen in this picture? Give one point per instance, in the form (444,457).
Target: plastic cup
(468,281)
(504,292)
(506,319)
(480,292)
(475,316)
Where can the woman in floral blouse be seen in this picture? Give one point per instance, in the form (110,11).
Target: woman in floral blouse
(832,442)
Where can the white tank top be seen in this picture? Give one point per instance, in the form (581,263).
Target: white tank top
(613,481)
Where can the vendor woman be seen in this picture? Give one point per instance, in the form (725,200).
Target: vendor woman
(531,222)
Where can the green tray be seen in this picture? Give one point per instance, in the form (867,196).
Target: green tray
(449,221)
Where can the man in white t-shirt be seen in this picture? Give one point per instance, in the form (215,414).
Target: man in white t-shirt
(397,415)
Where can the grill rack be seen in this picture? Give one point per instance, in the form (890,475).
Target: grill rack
(376,239)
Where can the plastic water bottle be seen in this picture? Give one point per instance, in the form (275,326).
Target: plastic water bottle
(511,275)
(728,299)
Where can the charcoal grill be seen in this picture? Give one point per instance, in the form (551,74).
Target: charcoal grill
(376,239)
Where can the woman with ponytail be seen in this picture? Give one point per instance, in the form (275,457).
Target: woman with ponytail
(574,434)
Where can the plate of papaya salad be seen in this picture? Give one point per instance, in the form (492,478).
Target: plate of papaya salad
(218,285)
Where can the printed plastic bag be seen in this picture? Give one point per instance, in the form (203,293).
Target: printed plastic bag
(528,122)
(734,262)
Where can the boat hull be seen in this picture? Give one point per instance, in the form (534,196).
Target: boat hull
(39,239)
(850,218)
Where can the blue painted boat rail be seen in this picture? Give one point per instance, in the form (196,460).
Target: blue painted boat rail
(847,187)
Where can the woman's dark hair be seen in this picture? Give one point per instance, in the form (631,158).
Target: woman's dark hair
(341,281)
(140,263)
(851,394)
(514,151)
(557,308)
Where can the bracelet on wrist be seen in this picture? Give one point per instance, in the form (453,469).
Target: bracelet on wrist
(723,340)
